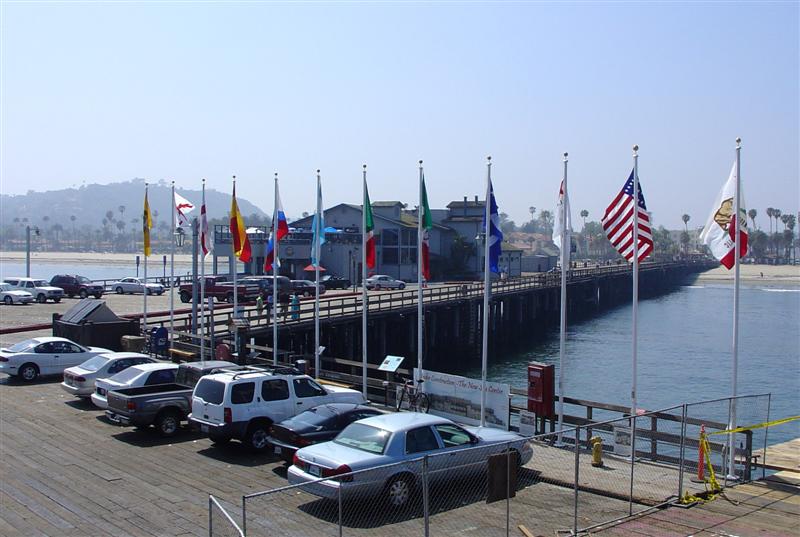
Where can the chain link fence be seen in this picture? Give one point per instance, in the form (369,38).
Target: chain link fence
(220,523)
(570,482)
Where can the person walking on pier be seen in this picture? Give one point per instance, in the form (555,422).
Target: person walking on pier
(260,306)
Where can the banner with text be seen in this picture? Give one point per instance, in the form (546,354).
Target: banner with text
(459,398)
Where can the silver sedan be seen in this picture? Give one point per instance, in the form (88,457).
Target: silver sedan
(135,285)
(383,455)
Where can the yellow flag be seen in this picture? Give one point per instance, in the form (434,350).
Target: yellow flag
(147,224)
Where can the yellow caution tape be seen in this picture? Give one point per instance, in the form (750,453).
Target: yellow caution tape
(759,426)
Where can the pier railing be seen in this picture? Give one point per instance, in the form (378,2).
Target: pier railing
(548,483)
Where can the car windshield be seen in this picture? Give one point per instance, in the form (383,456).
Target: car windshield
(315,417)
(124,377)
(93,364)
(84,279)
(364,437)
(23,346)
(41,283)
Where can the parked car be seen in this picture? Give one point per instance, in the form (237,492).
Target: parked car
(318,424)
(44,356)
(162,405)
(334,282)
(135,285)
(11,295)
(244,405)
(137,375)
(79,380)
(306,288)
(375,442)
(40,289)
(381,281)
(77,285)
(221,289)
(264,283)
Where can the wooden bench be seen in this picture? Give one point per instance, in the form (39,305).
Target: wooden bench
(186,356)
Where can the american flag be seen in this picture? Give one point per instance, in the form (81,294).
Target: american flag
(618,223)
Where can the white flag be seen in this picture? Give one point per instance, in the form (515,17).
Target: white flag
(205,239)
(562,211)
(719,234)
(182,207)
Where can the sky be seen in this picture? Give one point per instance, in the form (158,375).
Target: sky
(105,92)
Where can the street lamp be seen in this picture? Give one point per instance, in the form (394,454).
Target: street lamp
(180,237)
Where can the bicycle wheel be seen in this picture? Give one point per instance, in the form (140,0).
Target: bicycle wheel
(400,399)
(423,403)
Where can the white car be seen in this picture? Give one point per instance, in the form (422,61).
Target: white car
(11,295)
(133,377)
(381,281)
(44,356)
(40,289)
(79,380)
(135,285)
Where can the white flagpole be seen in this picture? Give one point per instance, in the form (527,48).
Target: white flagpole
(316,246)
(736,253)
(172,267)
(203,282)
(144,225)
(364,298)
(486,288)
(235,270)
(420,324)
(635,284)
(275,276)
(565,243)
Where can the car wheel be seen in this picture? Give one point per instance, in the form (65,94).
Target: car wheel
(186,297)
(401,286)
(40,298)
(398,491)
(167,423)
(161,292)
(8,300)
(257,437)
(229,298)
(98,295)
(118,290)
(83,293)
(377,287)
(219,440)
(306,294)
(28,372)
(56,300)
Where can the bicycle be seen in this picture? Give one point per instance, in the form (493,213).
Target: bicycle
(418,401)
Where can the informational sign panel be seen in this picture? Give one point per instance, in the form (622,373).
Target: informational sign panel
(391,363)
(622,441)
(527,423)
(459,398)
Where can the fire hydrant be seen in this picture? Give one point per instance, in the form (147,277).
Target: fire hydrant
(597,451)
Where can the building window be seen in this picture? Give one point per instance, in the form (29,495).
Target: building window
(389,237)
(409,237)
(389,256)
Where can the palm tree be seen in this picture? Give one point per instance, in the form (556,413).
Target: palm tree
(110,215)
(777,214)
(752,213)
(121,211)
(532,210)
(686,219)
(770,214)
(584,214)
(785,220)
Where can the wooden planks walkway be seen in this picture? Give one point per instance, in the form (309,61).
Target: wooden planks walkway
(784,457)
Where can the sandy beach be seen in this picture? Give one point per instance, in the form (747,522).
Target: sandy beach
(89,258)
(772,275)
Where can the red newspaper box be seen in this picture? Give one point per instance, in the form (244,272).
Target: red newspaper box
(541,389)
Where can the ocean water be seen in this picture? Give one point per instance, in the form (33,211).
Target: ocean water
(685,341)
(155,267)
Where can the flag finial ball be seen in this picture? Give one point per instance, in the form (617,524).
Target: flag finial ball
(636,147)
(364,166)
(317,171)
(566,154)
(738,140)
(420,163)
(489,158)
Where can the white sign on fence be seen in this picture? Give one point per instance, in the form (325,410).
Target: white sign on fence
(527,423)
(459,398)
(622,441)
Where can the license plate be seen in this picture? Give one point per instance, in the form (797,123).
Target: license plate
(277,450)
(204,428)
(314,470)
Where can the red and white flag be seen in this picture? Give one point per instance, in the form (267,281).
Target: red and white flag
(205,240)
(182,207)
(562,213)
(720,231)
(618,223)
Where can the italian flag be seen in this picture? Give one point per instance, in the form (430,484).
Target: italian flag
(369,235)
(427,224)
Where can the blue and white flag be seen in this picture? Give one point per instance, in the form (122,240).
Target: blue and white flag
(318,227)
(495,235)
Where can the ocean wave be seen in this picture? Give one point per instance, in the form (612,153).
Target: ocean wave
(778,290)
(693,286)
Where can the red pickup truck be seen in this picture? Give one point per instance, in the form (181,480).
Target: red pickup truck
(221,289)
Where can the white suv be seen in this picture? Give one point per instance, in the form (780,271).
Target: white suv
(243,405)
(41,290)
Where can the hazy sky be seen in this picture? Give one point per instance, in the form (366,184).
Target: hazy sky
(105,92)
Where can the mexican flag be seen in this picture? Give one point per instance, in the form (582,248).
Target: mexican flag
(369,235)
(427,224)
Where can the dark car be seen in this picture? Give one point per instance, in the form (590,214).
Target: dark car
(306,288)
(77,285)
(334,282)
(318,424)
(264,283)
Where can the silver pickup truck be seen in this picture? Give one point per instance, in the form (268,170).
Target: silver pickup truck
(162,405)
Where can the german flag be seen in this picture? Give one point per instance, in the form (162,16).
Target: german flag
(241,245)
